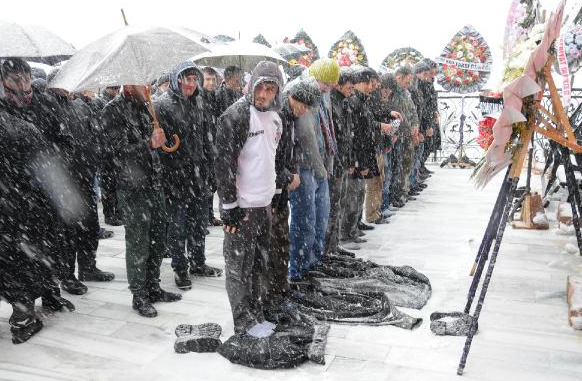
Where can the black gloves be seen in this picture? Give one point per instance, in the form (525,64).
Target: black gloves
(232,217)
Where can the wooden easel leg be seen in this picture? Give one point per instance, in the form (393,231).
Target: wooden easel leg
(488,275)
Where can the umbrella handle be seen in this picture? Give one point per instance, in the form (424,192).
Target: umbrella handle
(176,145)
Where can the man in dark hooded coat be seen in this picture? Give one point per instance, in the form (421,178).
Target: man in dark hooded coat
(186,172)
(28,216)
(247,137)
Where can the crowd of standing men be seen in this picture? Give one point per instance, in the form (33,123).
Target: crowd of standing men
(298,168)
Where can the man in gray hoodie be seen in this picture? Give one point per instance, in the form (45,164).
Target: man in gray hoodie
(247,136)
(315,149)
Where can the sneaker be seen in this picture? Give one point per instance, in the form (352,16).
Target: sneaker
(182,280)
(114,221)
(159,295)
(23,330)
(422,185)
(55,303)
(215,222)
(95,275)
(73,286)
(397,203)
(205,270)
(351,245)
(104,234)
(382,221)
(143,306)
(411,198)
(363,226)
(361,233)
(360,240)
(413,193)
(342,251)
(388,213)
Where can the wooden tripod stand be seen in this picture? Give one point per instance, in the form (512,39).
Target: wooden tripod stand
(553,124)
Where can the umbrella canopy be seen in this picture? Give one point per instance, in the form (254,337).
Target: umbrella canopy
(129,56)
(291,51)
(245,55)
(33,43)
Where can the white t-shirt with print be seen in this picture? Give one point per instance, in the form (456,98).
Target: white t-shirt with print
(255,178)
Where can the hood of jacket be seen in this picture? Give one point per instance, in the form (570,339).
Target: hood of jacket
(174,86)
(267,71)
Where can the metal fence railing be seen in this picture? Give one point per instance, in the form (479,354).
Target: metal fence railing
(452,106)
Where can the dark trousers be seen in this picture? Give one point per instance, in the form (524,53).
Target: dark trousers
(111,208)
(352,205)
(187,221)
(246,253)
(144,216)
(335,211)
(80,236)
(278,261)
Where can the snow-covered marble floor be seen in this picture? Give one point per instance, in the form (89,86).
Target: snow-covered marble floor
(523,334)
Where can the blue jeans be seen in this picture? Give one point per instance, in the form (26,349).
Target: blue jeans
(187,223)
(387,181)
(309,214)
(418,152)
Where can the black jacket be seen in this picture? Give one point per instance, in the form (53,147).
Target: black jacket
(86,138)
(285,164)
(365,134)
(225,97)
(186,171)
(128,129)
(343,122)
(28,217)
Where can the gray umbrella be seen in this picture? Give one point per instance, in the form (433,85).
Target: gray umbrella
(33,43)
(245,55)
(131,55)
(291,51)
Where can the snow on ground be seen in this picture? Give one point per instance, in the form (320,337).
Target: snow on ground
(524,333)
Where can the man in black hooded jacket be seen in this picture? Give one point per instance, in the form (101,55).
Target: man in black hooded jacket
(247,137)
(29,256)
(186,172)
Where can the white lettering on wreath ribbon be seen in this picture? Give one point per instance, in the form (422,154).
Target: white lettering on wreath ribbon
(563,64)
(474,66)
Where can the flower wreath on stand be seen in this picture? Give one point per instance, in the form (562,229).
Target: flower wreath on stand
(401,57)
(302,38)
(348,51)
(466,62)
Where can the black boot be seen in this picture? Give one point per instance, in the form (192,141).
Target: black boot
(23,322)
(182,280)
(113,221)
(143,306)
(95,275)
(73,286)
(205,270)
(54,303)
(363,226)
(159,295)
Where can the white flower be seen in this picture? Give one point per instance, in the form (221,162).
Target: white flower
(459,54)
